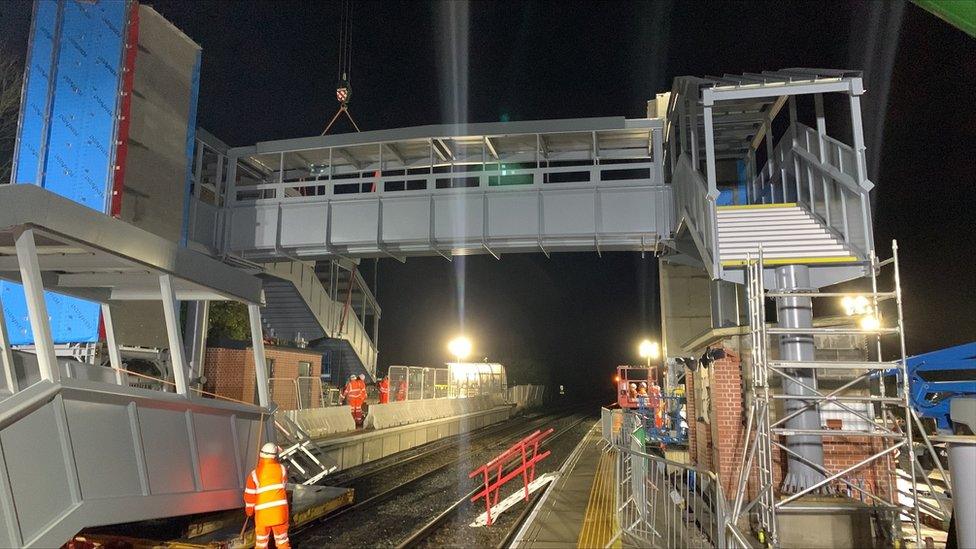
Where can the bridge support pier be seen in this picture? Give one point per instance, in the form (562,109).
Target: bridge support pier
(797,312)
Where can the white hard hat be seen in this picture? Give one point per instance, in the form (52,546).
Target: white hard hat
(352,376)
(362,376)
(270,449)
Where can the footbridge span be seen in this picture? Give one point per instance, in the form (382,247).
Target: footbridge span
(557,185)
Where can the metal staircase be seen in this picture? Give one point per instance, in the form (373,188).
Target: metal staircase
(300,304)
(787,233)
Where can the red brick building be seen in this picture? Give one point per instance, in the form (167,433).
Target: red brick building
(294,375)
(717,411)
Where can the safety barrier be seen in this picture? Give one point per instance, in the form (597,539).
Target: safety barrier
(319,422)
(528,450)
(527,396)
(663,503)
(393,414)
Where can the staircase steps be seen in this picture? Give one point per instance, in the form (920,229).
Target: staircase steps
(787,233)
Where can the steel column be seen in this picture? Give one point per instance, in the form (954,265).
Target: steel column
(197,320)
(257,346)
(30,274)
(114,357)
(6,356)
(171,315)
(797,312)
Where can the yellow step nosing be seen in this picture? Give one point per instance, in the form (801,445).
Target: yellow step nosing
(757,206)
(792,260)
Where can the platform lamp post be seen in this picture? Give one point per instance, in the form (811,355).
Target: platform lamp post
(650,350)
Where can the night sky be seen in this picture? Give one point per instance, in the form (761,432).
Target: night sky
(270,69)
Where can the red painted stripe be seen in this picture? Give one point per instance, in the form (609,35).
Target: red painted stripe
(122,139)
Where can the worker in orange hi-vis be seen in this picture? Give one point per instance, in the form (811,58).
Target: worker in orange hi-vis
(401,390)
(265,498)
(384,386)
(355,395)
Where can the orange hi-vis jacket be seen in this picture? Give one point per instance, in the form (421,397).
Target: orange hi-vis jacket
(384,386)
(265,493)
(355,392)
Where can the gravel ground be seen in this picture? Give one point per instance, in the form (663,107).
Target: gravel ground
(388,521)
(457,532)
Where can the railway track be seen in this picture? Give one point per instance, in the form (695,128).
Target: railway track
(384,498)
(422,535)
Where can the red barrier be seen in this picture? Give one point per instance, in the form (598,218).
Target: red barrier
(528,450)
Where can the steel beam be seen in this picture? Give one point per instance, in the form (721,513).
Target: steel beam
(171,315)
(30,274)
(6,356)
(114,357)
(257,347)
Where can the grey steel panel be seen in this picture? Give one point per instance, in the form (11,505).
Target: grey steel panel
(304,225)
(569,213)
(120,244)
(30,445)
(167,446)
(254,227)
(354,222)
(513,214)
(629,210)
(406,219)
(215,442)
(96,427)
(247,441)
(458,217)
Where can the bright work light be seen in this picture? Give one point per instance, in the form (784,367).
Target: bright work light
(460,347)
(649,349)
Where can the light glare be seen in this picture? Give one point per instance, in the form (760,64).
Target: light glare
(460,347)
(649,349)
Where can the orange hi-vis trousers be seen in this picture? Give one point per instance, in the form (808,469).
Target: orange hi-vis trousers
(262,535)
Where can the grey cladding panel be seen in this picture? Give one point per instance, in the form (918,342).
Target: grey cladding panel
(214,444)
(354,222)
(628,210)
(569,213)
(247,440)
(406,219)
(513,214)
(94,427)
(167,446)
(305,225)
(32,445)
(253,227)
(458,217)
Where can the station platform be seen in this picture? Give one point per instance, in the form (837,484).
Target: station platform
(578,509)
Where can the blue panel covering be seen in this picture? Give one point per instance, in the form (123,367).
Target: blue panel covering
(35,101)
(75,149)
(81,134)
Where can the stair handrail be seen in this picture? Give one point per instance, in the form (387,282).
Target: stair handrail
(807,167)
(696,206)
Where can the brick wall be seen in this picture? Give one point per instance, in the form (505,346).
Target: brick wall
(230,373)
(719,445)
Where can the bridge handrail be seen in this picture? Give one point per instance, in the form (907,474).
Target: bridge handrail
(695,206)
(819,173)
(325,187)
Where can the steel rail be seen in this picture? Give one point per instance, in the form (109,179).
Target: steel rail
(391,492)
(428,529)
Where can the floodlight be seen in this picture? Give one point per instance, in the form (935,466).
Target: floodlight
(460,347)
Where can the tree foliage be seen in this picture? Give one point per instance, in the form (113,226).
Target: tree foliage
(11,76)
(228,319)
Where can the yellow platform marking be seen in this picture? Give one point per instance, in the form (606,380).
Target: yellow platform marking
(600,521)
(793,261)
(758,206)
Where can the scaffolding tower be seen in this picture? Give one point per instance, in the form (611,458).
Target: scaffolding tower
(874,392)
